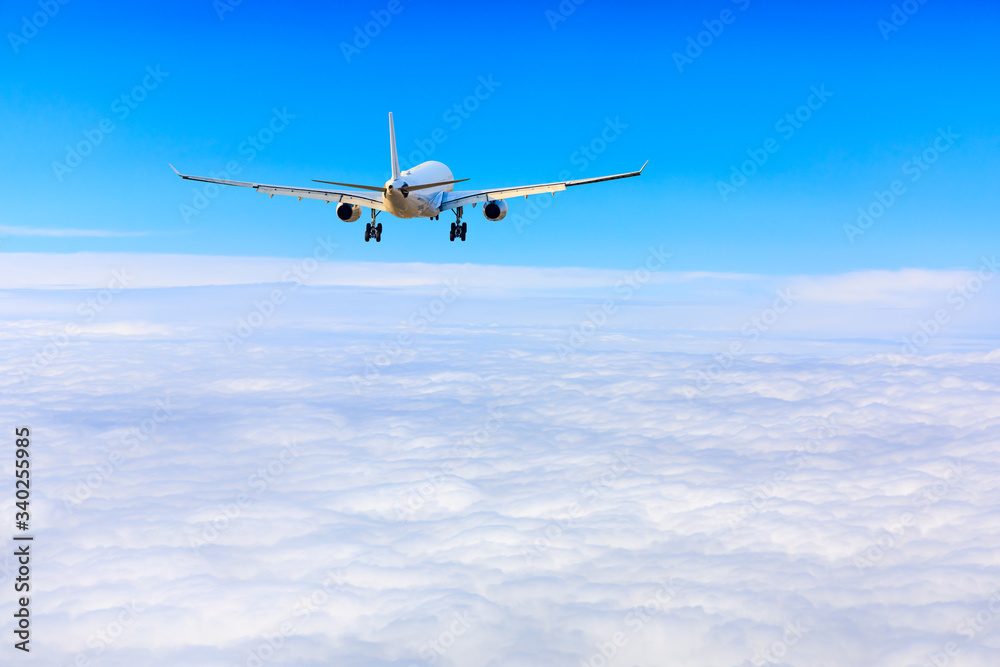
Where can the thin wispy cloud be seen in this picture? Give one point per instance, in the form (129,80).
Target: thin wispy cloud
(16,230)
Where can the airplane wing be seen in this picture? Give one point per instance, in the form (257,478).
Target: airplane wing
(349,196)
(465,197)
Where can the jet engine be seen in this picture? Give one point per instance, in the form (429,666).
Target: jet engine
(495,210)
(348,212)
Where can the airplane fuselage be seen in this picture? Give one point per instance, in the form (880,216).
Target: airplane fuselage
(423,204)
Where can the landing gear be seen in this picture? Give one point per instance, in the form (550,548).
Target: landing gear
(458,228)
(372,230)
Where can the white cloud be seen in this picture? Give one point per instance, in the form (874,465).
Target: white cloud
(13,230)
(485,500)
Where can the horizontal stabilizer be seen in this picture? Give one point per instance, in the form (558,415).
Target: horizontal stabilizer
(411,188)
(353,185)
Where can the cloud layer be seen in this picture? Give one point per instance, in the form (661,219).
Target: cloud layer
(411,476)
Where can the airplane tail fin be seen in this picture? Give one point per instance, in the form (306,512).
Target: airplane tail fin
(392,148)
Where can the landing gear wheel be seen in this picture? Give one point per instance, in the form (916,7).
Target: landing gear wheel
(458,227)
(465,227)
(373,231)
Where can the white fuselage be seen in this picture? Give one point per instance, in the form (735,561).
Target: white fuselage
(424,203)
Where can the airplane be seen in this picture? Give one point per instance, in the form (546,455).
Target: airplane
(423,191)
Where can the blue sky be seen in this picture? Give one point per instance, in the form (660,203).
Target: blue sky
(556,87)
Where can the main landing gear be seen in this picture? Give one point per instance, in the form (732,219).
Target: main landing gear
(373,231)
(458,228)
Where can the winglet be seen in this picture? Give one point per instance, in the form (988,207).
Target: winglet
(175,169)
(643,166)
(392,149)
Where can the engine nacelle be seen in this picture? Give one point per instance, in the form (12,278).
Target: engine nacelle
(348,212)
(495,210)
